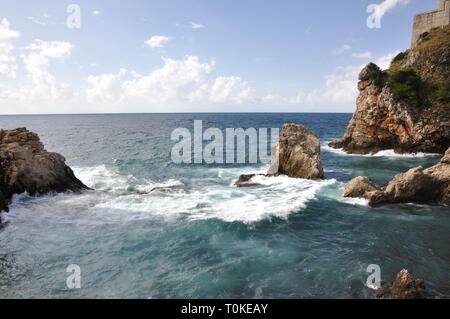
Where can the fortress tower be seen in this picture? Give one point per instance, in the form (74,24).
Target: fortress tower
(433,19)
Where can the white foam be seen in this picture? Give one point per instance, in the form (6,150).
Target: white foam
(279,197)
(384,153)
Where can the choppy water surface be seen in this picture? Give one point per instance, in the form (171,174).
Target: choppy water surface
(196,236)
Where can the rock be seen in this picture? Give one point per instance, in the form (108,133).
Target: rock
(25,166)
(297,154)
(359,187)
(381,122)
(369,72)
(403,287)
(430,186)
(245,180)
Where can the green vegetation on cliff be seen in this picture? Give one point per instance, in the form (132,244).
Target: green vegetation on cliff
(405,85)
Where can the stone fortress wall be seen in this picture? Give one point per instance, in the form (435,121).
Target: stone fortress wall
(433,19)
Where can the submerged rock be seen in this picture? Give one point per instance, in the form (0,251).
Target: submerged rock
(25,166)
(429,186)
(297,153)
(403,287)
(245,180)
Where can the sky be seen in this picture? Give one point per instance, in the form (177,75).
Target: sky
(148,56)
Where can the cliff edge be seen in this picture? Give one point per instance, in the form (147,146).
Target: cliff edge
(25,166)
(407,107)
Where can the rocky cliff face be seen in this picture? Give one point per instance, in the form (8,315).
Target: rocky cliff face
(406,108)
(25,166)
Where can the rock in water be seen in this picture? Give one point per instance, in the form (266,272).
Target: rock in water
(297,153)
(429,186)
(359,187)
(403,287)
(25,166)
(407,107)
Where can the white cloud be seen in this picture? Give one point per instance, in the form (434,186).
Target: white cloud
(8,65)
(157,41)
(36,63)
(342,49)
(96,12)
(179,85)
(364,55)
(385,61)
(40,19)
(196,25)
(387,5)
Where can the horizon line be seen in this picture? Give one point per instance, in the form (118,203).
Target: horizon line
(144,113)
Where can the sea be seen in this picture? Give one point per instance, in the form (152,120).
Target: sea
(153,228)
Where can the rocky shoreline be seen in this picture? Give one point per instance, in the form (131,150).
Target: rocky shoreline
(418,185)
(25,166)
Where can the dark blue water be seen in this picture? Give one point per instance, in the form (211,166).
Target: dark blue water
(197,236)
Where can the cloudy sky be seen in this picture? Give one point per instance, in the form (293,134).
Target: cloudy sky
(193,55)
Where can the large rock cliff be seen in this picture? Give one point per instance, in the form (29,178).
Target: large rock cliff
(407,107)
(25,166)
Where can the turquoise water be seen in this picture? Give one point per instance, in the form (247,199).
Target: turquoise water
(199,237)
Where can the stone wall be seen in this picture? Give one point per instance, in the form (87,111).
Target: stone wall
(426,21)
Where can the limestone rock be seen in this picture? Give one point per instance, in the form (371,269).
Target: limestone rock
(403,287)
(430,186)
(381,122)
(368,72)
(297,154)
(25,166)
(359,187)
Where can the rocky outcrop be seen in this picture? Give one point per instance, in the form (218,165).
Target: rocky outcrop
(358,187)
(407,107)
(403,287)
(25,166)
(429,186)
(297,153)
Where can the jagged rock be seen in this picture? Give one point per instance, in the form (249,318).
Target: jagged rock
(430,186)
(297,154)
(403,287)
(25,166)
(369,72)
(381,122)
(245,180)
(359,187)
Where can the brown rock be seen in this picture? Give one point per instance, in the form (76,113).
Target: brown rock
(25,166)
(404,287)
(297,154)
(359,187)
(380,122)
(430,186)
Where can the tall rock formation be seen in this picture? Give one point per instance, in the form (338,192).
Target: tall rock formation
(407,107)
